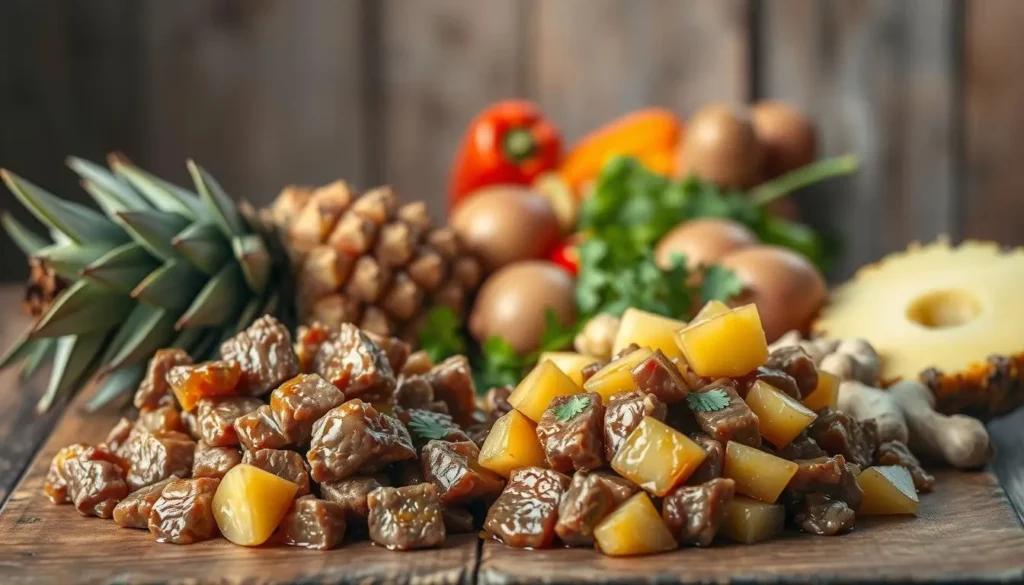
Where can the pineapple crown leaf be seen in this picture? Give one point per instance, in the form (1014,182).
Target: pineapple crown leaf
(115,384)
(121,268)
(171,286)
(26,241)
(83,308)
(19,350)
(203,245)
(107,190)
(145,326)
(68,260)
(159,194)
(254,258)
(71,362)
(78,223)
(217,201)
(153,230)
(40,350)
(216,299)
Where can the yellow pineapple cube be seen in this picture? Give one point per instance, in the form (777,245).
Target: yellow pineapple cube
(780,417)
(757,474)
(634,528)
(617,376)
(825,394)
(729,345)
(888,489)
(511,444)
(569,362)
(709,310)
(648,330)
(657,457)
(544,383)
(250,503)
(748,520)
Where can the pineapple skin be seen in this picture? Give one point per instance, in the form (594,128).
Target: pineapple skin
(986,390)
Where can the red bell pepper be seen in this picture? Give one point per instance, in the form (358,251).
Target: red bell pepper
(510,142)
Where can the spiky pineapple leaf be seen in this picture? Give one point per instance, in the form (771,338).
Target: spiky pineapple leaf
(68,260)
(71,364)
(163,195)
(83,308)
(217,201)
(172,286)
(118,383)
(146,330)
(154,230)
(219,300)
(18,350)
(188,339)
(122,268)
(26,240)
(41,349)
(77,222)
(204,246)
(207,346)
(254,258)
(112,194)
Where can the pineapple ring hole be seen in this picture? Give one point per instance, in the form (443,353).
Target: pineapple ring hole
(944,308)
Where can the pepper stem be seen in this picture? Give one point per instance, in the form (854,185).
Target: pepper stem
(519,144)
(809,174)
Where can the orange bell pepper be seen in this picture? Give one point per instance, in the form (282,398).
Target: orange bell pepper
(650,135)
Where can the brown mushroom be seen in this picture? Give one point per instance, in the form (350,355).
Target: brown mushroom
(703,241)
(720,146)
(786,136)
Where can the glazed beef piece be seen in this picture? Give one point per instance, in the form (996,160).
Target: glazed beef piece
(824,516)
(154,457)
(406,518)
(478,432)
(118,435)
(419,363)
(300,402)
(284,464)
(694,513)
(458,519)
(589,370)
(154,389)
(711,467)
(426,425)
(55,486)
(524,515)
(133,511)
(312,523)
(453,383)
(416,392)
(264,353)
(214,461)
(831,476)
(163,418)
(91,478)
(454,471)
(840,434)
(356,365)
(775,378)
(353,438)
(259,430)
(590,498)
(896,453)
(193,383)
(802,447)
(396,350)
(495,401)
(657,375)
(183,513)
(308,339)
(795,362)
(351,494)
(408,472)
(216,418)
(624,412)
(735,422)
(191,425)
(571,431)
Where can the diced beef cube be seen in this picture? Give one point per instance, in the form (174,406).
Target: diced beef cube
(396,350)
(802,447)
(312,523)
(777,379)
(795,362)
(452,381)
(426,425)
(408,472)
(206,380)
(711,467)
(94,479)
(307,343)
(840,434)
(590,498)
(624,412)
(819,514)
(154,457)
(406,518)
(659,376)
(133,511)
(355,437)
(183,513)
(118,435)
(589,370)
(524,515)
(56,486)
(284,464)
(191,424)
(414,392)
(457,519)
(571,431)
(264,353)
(356,365)
(216,418)
(419,363)
(832,476)
(259,430)
(163,418)
(478,432)
(214,461)
(896,453)
(625,351)
(154,387)
(351,494)
(693,513)
(495,401)
(300,402)
(735,422)
(681,418)
(454,470)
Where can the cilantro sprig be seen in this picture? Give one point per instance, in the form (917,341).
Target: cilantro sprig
(440,336)
(711,401)
(426,427)
(571,408)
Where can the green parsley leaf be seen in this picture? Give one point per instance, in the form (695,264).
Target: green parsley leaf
(710,401)
(719,284)
(556,336)
(568,410)
(499,365)
(440,335)
(426,427)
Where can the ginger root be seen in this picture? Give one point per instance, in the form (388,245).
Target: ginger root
(598,336)
(959,440)
(864,402)
(848,359)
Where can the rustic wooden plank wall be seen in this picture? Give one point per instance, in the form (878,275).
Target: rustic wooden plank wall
(268,92)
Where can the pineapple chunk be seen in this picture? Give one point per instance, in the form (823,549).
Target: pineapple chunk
(825,394)
(191,383)
(888,489)
(617,376)
(250,503)
(511,444)
(709,310)
(780,416)
(729,345)
(634,528)
(648,330)
(748,520)
(542,385)
(757,474)
(569,362)
(657,457)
